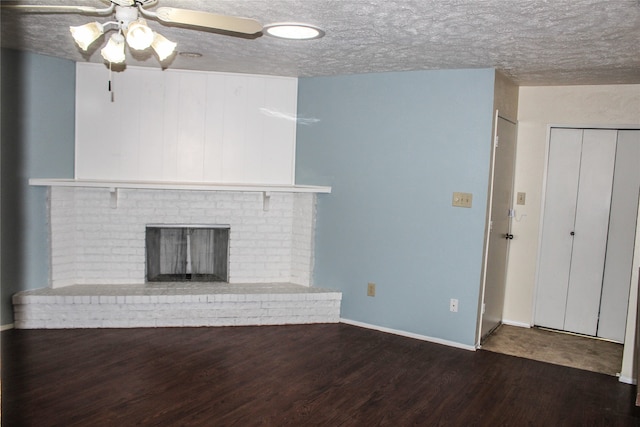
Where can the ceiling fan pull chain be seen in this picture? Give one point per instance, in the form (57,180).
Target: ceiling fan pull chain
(110,83)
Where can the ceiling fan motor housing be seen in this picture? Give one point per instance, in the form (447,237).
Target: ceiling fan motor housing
(126,15)
(129,3)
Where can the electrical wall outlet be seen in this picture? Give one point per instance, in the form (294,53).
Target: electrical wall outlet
(371,289)
(453,305)
(462,200)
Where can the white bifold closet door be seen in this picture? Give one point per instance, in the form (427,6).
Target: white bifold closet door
(575,227)
(621,239)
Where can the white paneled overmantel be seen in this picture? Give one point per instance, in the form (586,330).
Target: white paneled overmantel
(184,126)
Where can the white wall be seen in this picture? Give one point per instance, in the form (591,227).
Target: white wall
(184,126)
(539,107)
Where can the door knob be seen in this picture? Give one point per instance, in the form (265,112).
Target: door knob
(573,233)
(508,236)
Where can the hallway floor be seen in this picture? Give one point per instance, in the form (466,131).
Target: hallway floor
(558,348)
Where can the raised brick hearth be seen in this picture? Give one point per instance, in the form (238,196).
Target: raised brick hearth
(175,304)
(98,261)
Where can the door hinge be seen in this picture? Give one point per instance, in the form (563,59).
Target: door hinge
(490,225)
(497,141)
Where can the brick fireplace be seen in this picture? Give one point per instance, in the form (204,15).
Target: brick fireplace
(98,260)
(97,241)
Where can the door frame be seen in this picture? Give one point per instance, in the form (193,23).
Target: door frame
(627,369)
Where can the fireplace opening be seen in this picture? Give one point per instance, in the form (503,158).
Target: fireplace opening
(193,253)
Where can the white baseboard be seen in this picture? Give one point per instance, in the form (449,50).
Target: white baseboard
(6,327)
(514,323)
(408,334)
(626,380)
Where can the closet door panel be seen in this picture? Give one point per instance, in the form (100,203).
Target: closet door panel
(559,213)
(620,244)
(591,227)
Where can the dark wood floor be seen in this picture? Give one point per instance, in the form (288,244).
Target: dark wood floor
(329,375)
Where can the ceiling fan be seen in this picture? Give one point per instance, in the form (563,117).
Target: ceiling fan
(131,25)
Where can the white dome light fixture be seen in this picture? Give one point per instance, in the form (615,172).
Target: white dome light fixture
(293,31)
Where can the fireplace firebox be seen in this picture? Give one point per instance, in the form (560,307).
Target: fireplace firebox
(183,253)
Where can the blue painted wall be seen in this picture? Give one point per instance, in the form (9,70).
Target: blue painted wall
(38,113)
(394,147)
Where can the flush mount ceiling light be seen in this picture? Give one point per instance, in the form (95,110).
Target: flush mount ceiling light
(293,31)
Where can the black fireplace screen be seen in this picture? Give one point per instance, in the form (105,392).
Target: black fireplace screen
(179,254)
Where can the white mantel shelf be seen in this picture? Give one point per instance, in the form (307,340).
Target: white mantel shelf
(191,186)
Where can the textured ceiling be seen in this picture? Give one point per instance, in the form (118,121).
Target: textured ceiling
(534,42)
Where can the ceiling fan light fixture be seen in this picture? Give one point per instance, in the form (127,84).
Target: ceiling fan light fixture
(114,50)
(162,46)
(86,34)
(293,31)
(139,35)
(132,28)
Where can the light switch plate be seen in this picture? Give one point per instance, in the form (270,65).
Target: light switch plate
(462,200)
(371,289)
(522,198)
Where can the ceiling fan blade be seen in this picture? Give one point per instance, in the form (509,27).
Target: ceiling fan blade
(57,9)
(208,20)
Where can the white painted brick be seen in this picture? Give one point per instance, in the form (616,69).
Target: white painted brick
(108,238)
(84,323)
(245,197)
(192,322)
(144,323)
(166,322)
(236,309)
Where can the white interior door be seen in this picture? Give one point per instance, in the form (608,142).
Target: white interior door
(501,203)
(563,172)
(591,229)
(620,242)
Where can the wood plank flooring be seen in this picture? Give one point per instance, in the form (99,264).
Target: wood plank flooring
(299,375)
